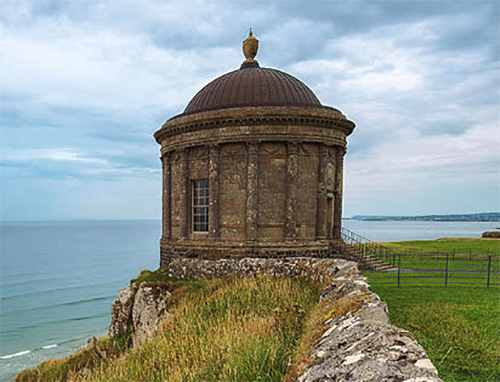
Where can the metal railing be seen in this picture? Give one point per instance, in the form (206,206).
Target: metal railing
(368,253)
(418,266)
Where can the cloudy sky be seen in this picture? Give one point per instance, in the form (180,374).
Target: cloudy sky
(84,84)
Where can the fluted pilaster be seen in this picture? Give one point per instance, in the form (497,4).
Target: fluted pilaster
(251,215)
(184,193)
(321,204)
(339,174)
(166,198)
(213,180)
(291,191)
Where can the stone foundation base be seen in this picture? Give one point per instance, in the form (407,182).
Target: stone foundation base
(169,253)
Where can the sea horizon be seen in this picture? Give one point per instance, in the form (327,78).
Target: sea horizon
(352,217)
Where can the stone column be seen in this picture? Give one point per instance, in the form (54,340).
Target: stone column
(339,175)
(321,204)
(213,186)
(251,217)
(184,193)
(291,190)
(166,200)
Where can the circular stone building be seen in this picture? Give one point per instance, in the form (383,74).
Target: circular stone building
(252,167)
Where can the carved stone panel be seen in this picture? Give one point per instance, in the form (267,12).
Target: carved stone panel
(198,163)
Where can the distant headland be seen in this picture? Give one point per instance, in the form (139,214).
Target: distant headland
(478,217)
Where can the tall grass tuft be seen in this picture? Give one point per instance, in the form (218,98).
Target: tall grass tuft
(231,329)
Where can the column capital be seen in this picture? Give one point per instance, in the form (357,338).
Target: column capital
(293,147)
(253,146)
(166,157)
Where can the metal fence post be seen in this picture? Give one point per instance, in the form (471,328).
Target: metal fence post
(399,269)
(446,272)
(489,270)
(470,254)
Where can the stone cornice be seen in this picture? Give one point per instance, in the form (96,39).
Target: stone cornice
(255,133)
(304,116)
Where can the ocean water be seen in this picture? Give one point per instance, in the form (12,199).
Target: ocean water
(58,279)
(417,230)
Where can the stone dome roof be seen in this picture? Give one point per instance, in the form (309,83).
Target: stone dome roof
(252,85)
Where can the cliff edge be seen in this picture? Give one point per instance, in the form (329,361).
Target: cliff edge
(291,319)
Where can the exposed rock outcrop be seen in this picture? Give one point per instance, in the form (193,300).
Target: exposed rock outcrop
(149,310)
(140,312)
(121,312)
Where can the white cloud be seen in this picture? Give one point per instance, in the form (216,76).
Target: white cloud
(63,63)
(424,163)
(59,154)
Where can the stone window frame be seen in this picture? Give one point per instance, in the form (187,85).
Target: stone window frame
(200,199)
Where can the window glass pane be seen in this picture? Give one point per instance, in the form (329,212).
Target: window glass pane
(200,200)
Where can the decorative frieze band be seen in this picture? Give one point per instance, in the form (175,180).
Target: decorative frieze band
(172,128)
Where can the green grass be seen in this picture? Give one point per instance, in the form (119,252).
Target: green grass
(459,245)
(458,327)
(61,369)
(233,329)
(465,261)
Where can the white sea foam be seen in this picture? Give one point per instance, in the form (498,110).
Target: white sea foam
(49,346)
(15,354)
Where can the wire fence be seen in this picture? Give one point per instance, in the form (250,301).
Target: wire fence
(422,267)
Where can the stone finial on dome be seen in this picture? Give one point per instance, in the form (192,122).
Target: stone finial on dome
(250,47)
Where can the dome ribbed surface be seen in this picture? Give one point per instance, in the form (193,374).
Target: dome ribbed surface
(252,86)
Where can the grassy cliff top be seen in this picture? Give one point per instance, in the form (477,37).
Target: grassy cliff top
(239,329)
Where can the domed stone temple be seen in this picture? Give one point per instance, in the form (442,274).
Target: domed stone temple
(252,168)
